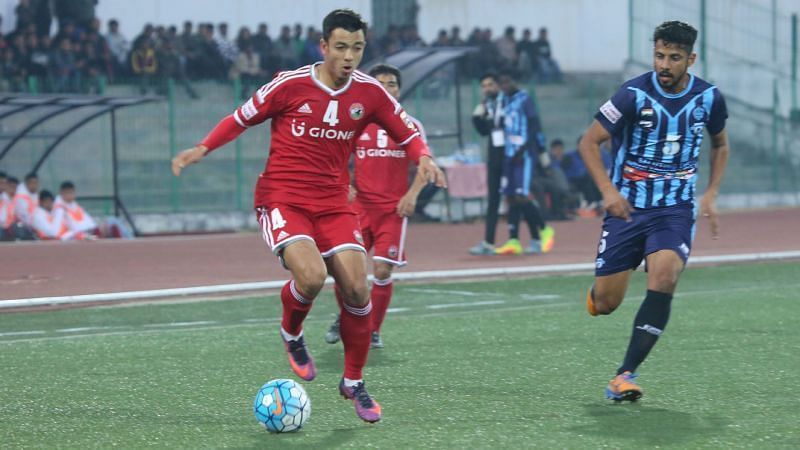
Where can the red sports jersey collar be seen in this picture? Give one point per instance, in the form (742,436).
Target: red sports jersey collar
(326,88)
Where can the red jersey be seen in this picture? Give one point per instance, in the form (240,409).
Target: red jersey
(381,168)
(314,129)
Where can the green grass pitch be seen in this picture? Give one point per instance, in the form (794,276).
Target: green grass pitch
(503,364)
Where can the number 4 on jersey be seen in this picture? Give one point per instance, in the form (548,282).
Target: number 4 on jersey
(331,116)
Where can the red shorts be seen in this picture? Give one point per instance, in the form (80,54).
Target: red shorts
(332,229)
(384,232)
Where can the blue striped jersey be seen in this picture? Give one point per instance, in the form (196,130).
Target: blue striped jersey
(521,125)
(657,136)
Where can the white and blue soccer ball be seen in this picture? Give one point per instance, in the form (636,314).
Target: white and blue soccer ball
(282,405)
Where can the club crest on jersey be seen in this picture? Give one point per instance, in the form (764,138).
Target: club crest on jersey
(359,238)
(356,111)
(646,118)
(699,113)
(393,251)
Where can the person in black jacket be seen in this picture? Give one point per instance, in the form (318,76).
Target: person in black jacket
(487,120)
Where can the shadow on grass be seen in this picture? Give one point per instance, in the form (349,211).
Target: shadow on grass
(649,425)
(330,358)
(298,440)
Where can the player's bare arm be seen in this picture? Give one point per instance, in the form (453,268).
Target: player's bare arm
(719,159)
(407,204)
(589,148)
(431,172)
(187,157)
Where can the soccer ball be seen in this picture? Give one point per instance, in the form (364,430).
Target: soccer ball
(282,405)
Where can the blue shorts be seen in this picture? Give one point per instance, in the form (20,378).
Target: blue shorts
(517,177)
(623,245)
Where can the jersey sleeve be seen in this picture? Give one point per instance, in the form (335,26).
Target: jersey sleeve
(618,111)
(265,103)
(391,117)
(718,115)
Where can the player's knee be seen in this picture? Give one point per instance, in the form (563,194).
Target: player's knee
(605,302)
(310,280)
(382,271)
(663,281)
(355,293)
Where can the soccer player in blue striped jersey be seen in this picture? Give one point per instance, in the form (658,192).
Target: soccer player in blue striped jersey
(656,123)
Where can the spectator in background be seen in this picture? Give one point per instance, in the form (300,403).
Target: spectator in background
(7,217)
(455,37)
(390,42)
(225,46)
(262,44)
(49,223)
(284,48)
(247,69)
(507,48)
(42,17)
(441,39)
(409,37)
(39,66)
(78,221)
(550,184)
(78,12)
(26,199)
(64,65)
(311,51)
(170,67)
(144,64)
(119,46)
(487,118)
(546,67)
(242,38)
(25,15)
(526,54)
(13,76)
(212,64)
(581,182)
(18,231)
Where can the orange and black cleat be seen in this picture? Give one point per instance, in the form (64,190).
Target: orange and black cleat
(623,388)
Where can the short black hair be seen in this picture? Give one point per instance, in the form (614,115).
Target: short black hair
(45,194)
(31,176)
(556,142)
(342,18)
(509,72)
(67,185)
(386,69)
(12,180)
(3,175)
(676,32)
(489,74)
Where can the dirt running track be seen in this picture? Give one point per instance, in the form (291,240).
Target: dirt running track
(43,269)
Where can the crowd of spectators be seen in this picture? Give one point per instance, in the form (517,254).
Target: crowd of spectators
(82,56)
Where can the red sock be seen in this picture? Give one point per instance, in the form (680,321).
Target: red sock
(295,308)
(355,330)
(381,297)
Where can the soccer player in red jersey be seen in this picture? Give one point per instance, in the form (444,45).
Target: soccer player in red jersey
(384,201)
(301,198)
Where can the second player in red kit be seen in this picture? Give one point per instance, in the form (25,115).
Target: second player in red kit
(384,201)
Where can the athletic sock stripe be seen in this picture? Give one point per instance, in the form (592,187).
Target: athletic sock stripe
(358,311)
(296,294)
(384,282)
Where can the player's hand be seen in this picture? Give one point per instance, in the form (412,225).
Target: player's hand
(407,205)
(351,193)
(186,157)
(617,205)
(708,208)
(431,172)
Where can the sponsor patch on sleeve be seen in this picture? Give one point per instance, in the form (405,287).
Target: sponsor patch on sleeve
(249,110)
(610,112)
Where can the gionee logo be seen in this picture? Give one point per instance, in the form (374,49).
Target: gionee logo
(299,130)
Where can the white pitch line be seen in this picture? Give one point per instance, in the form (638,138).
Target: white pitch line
(397,310)
(180,324)
(460,305)
(425,275)
(451,292)
(22,333)
(80,329)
